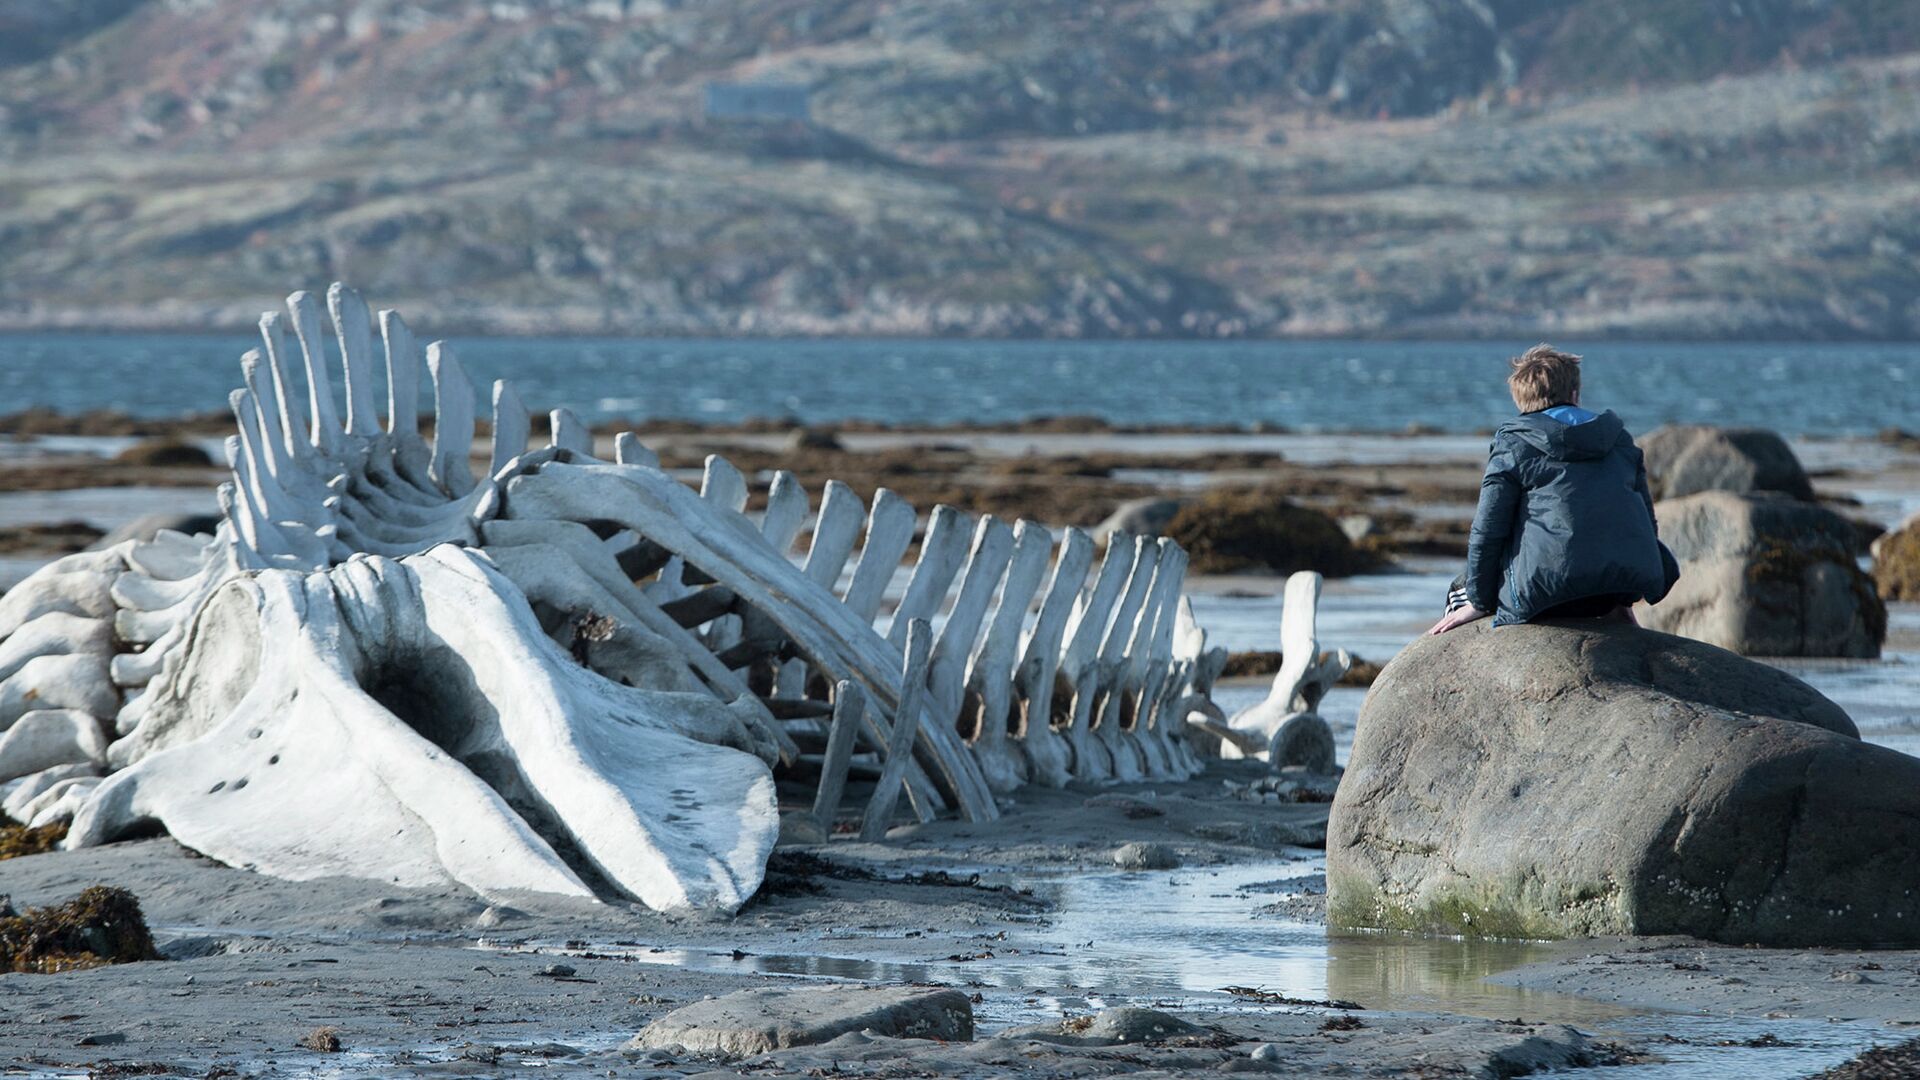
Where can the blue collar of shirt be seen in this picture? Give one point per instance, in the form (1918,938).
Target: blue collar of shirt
(1571,414)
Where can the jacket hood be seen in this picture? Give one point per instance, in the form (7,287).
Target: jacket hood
(1563,441)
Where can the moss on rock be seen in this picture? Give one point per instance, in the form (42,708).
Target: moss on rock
(1240,530)
(102,925)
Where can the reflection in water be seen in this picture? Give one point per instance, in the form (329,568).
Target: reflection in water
(1174,937)
(1403,971)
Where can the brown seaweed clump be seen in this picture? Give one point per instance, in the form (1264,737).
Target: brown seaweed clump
(1896,565)
(17,840)
(1242,530)
(102,925)
(1879,1063)
(1262,663)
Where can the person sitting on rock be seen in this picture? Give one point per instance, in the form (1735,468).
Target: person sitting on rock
(1565,526)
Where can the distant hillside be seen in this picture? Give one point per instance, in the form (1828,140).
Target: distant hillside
(975,167)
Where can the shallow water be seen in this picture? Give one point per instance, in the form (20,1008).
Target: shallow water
(1173,936)
(1176,939)
(1308,385)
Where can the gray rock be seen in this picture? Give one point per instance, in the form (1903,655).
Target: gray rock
(1139,517)
(1544,781)
(1765,575)
(103,1038)
(798,828)
(1303,739)
(1108,1027)
(497,915)
(1685,459)
(1145,856)
(1267,835)
(1320,785)
(774,1018)
(1131,806)
(1133,1025)
(1266,1052)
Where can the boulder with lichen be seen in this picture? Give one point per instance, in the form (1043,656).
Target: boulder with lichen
(1685,459)
(1556,780)
(1767,575)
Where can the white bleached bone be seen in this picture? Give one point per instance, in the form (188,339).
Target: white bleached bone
(22,793)
(456,734)
(561,674)
(1049,756)
(45,738)
(1305,676)
(990,672)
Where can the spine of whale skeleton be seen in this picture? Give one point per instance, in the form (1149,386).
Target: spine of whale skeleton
(564,674)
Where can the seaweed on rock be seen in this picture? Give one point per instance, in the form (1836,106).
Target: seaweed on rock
(103,925)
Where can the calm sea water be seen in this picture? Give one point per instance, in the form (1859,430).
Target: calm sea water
(1341,386)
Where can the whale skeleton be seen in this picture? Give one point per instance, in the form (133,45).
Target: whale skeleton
(560,673)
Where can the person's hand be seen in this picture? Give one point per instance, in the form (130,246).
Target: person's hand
(1456,618)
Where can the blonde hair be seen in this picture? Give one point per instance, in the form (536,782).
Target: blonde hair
(1543,377)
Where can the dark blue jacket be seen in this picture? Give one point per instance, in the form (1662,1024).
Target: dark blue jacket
(1564,515)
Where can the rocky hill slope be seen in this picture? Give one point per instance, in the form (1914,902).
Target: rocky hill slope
(989,167)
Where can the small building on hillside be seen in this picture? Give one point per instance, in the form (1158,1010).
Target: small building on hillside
(758,102)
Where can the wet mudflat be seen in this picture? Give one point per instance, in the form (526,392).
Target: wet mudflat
(1030,917)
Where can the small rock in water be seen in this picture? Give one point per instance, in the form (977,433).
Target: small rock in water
(1132,1025)
(1266,1052)
(1108,1027)
(546,1050)
(1145,856)
(324,1039)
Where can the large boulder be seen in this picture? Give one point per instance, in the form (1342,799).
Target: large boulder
(1571,779)
(1260,531)
(1685,459)
(1766,575)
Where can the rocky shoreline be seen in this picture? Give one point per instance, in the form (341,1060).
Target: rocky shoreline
(1202,901)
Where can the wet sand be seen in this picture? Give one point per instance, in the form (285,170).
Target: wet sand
(1029,916)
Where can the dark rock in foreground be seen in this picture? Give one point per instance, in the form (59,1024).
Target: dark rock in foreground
(1767,575)
(775,1018)
(1562,780)
(1686,459)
